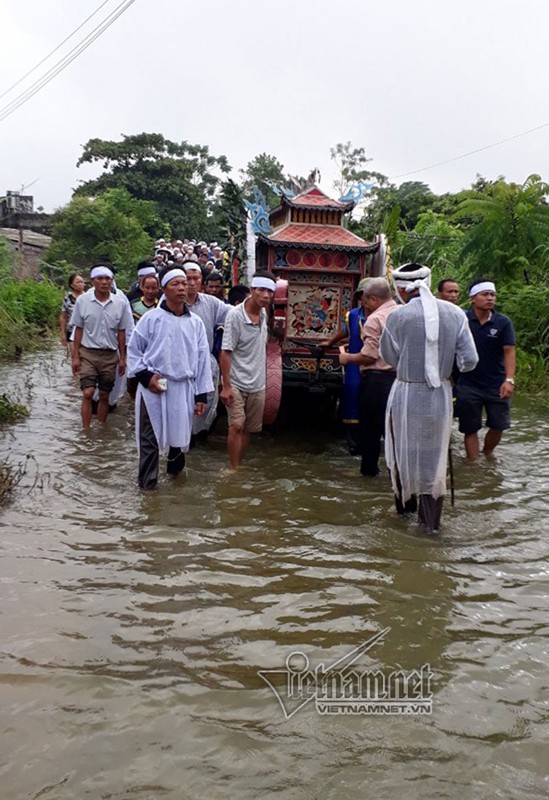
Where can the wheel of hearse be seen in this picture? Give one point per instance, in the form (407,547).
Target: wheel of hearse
(273,387)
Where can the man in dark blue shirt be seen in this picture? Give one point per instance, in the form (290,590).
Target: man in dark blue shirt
(490,385)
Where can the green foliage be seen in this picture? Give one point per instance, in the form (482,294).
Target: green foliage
(179,177)
(496,229)
(434,241)
(37,303)
(28,309)
(10,411)
(57,273)
(532,372)
(261,171)
(381,205)
(528,307)
(11,475)
(230,218)
(7,259)
(508,229)
(110,227)
(412,198)
(391,224)
(446,205)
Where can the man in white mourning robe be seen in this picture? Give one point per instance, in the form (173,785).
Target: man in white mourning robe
(168,353)
(421,340)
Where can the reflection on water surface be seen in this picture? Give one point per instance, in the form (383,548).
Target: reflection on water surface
(134,627)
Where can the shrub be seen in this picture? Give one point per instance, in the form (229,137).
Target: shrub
(11,411)
(31,302)
(28,309)
(10,476)
(528,307)
(7,260)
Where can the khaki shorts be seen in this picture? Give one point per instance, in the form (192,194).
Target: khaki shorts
(98,368)
(246,410)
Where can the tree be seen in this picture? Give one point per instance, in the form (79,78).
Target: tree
(111,227)
(382,205)
(229,218)
(414,199)
(510,229)
(179,177)
(404,204)
(434,242)
(261,171)
(351,163)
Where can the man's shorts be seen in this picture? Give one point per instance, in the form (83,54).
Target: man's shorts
(98,368)
(470,401)
(246,410)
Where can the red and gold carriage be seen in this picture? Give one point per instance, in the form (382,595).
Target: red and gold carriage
(318,264)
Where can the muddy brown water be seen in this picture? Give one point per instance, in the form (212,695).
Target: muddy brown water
(133,628)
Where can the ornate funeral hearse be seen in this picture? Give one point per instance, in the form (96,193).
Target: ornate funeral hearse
(318,264)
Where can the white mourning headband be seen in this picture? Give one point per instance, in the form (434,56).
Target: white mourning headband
(263,283)
(146,271)
(171,274)
(486,286)
(101,272)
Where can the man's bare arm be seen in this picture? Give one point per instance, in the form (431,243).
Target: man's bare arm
(225,360)
(355,358)
(76,350)
(510,364)
(121,351)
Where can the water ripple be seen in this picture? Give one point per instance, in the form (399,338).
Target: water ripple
(134,627)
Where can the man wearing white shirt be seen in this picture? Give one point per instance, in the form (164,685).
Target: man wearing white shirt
(100,319)
(243,365)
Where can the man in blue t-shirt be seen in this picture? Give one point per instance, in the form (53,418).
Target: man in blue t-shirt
(490,385)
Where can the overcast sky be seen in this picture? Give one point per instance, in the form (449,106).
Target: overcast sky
(414,83)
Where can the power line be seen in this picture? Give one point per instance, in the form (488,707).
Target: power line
(65,61)
(26,75)
(472,152)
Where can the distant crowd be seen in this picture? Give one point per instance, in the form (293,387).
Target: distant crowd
(210,257)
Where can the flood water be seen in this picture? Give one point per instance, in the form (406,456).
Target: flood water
(134,627)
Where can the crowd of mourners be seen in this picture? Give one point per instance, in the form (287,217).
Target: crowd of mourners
(168,341)
(214,262)
(183,350)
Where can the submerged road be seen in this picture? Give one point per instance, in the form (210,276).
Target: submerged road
(134,627)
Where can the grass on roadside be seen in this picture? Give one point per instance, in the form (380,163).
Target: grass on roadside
(11,411)
(29,311)
(10,477)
